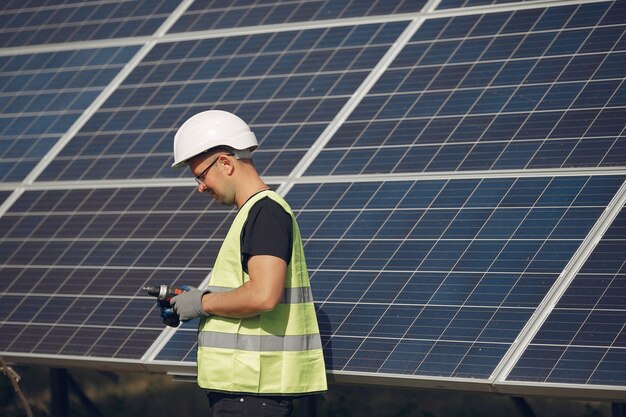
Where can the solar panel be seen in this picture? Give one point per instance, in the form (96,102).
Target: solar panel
(451,4)
(433,278)
(42,95)
(202,15)
(583,339)
(539,88)
(448,162)
(57,21)
(74,262)
(288,86)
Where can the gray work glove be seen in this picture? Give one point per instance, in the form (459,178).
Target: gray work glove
(188,305)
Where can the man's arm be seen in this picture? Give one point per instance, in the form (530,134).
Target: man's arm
(261,293)
(266,251)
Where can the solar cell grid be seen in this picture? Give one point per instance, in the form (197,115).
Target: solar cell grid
(74,261)
(27,4)
(42,95)
(451,4)
(433,278)
(51,22)
(583,340)
(202,15)
(528,89)
(287,86)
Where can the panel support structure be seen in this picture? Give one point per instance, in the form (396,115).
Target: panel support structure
(619,409)
(59,398)
(523,407)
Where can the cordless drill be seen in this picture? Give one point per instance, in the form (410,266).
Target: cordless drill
(164,294)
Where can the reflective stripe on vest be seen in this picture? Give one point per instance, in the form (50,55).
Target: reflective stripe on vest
(267,343)
(275,352)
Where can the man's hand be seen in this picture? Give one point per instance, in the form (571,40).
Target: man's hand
(168,315)
(188,305)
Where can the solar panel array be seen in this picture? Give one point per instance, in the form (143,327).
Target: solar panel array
(457,169)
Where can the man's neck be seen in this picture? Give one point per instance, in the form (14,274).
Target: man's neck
(248,189)
(252,196)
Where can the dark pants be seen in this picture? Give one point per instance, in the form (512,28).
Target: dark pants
(234,405)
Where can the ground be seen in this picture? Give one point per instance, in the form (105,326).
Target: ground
(152,395)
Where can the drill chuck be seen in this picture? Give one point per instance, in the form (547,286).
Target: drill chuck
(163,292)
(153,290)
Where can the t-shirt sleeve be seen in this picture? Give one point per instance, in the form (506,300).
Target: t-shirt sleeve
(268,231)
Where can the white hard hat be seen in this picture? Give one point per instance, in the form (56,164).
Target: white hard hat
(209,129)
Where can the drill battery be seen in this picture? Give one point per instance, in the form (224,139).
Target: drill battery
(164,294)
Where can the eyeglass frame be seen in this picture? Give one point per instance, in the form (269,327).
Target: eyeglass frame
(201,177)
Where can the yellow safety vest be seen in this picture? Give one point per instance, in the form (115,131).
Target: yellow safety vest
(275,352)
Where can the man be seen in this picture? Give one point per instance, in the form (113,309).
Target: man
(258,339)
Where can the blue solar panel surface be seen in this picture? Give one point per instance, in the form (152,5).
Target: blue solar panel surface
(539,88)
(451,4)
(45,22)
(42,95)
(494,136)
(74,262)
(288,86)
(219,14)
(4,195)
(433,277)
(583,341)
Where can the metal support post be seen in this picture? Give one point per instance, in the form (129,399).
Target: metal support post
(619,409)
(58,393)
(523,407)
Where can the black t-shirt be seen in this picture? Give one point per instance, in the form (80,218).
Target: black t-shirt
(267,231)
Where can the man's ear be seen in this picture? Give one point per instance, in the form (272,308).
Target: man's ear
(226,164)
